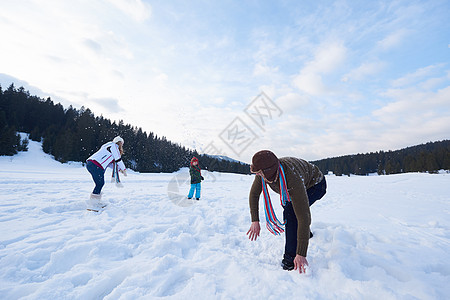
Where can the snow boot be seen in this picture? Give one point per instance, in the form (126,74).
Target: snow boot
(95,202)
(197,199)
(288,262)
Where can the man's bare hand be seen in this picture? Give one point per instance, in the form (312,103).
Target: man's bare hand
(254,230)
(300,263)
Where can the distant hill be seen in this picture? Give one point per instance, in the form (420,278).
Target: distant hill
(223,157)
(429,157)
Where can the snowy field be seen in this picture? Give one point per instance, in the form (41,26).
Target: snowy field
(376,237)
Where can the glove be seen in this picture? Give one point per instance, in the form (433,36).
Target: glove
(124,172)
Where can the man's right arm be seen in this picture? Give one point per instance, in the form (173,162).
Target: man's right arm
(253,200)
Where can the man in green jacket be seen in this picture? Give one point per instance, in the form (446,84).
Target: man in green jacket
(303,184)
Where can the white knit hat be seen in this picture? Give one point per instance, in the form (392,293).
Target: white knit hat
(118,139)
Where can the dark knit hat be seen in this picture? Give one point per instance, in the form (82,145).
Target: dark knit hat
(267,162)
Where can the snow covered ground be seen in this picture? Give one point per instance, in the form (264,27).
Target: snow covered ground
(377,237)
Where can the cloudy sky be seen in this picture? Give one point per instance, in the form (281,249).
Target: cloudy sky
(311,79)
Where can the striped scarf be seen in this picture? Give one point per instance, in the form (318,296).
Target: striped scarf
(272,223)
(115,175)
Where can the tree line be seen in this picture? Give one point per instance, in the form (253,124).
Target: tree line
(430,157)
(71,134)
(74,134)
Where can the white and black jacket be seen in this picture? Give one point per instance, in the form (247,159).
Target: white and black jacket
(107,154)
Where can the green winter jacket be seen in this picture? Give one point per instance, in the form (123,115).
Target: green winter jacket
(196,175)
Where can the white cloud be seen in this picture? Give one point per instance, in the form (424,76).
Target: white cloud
(136,9)
(366,69)
(162,78)
(327,58)
(262,69)
(292,102)
(93,45)
(109,104)
(414,113)
(310,83)
(432,83)
(416,76)
(393,40)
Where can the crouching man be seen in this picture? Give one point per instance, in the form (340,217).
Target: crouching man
(299,184)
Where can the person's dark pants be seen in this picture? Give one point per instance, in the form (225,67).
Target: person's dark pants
(98,174)
(315,193)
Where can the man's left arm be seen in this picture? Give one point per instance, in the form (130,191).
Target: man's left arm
(300,204)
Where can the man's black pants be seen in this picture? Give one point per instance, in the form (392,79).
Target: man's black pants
(315,193)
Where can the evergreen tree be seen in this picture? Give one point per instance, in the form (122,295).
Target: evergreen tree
(9,141)
(23,145)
